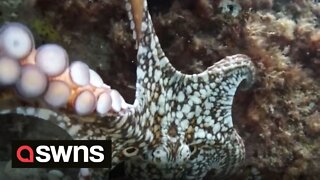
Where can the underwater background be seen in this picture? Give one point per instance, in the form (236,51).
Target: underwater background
(279,118)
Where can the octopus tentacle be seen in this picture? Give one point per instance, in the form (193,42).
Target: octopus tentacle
(41,83)
(112,127)
(219,84)
(152,64)
(234,70)
(213,91)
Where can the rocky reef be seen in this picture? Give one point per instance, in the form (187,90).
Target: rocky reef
(279,118)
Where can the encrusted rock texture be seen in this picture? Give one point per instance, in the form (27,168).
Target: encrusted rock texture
(278,118)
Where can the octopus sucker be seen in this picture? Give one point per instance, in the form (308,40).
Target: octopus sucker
(179,126)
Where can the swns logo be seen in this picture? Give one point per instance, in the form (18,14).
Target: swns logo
(61,154)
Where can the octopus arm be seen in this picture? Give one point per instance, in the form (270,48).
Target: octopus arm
(125,142)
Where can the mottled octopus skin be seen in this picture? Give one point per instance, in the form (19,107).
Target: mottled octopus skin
(179,127)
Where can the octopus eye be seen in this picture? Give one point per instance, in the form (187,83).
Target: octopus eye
(158,160)
(130,151)
(193,150)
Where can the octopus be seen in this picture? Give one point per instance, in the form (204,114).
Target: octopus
(179,126)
